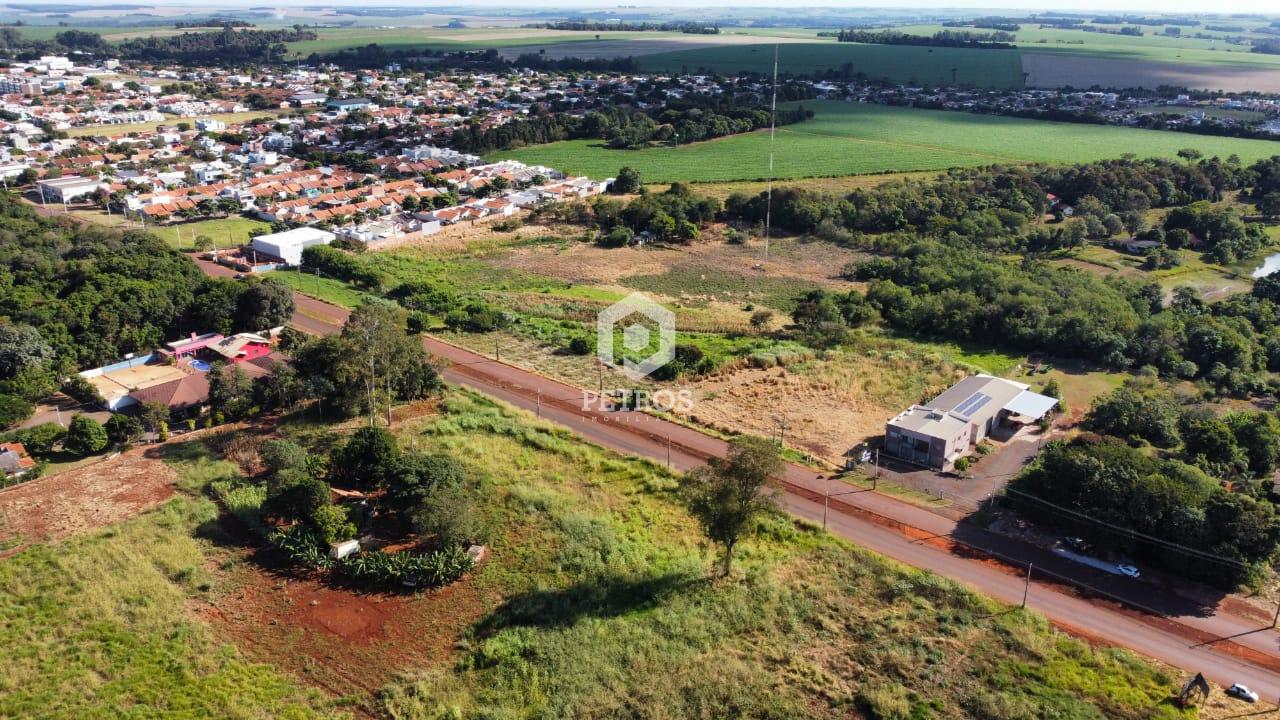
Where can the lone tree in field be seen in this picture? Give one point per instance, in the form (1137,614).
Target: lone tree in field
(727,495)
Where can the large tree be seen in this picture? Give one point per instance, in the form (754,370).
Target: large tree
(85,436)
(264,305)
(729,494)
(381,360)
(22,348)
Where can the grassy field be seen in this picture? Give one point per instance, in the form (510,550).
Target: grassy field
(121,130)
(406,38)
(597,582)
(228,231)
(98,626)
(897,63)
(849,138)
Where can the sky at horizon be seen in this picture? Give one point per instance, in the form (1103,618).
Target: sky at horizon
(1110,6)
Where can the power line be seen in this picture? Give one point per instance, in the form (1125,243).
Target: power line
(1200,554)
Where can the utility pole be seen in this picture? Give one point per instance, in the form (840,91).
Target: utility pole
(539,403)
(1026,588)
(669,467)
(773,114)
(1276,620)
(826,499)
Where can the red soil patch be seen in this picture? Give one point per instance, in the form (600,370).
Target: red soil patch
(73,502)
(348,643)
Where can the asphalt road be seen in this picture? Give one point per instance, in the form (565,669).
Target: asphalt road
(1226,648)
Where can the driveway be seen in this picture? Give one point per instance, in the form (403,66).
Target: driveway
(986,477)
(60,409)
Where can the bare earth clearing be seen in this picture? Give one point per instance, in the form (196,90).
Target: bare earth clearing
(1053,70)
(343,641)
(76,501)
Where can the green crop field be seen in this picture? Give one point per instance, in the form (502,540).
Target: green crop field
(406,38)
(1153,45)
(897,63)
(850,139)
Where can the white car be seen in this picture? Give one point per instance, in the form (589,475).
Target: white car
(1128,571)
(1242,692)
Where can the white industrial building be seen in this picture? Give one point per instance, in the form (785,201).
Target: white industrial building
(288,245)
(66,189)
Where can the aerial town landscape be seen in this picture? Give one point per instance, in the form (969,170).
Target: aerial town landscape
(639,361)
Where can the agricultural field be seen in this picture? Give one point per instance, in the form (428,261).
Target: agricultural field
(850,138)
(1152,46)
(595,571)
(896,63)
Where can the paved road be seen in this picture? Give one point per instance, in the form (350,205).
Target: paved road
(1225,647)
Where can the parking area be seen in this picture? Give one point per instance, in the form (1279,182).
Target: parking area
(986,477)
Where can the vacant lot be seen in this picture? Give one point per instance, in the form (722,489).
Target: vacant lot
(221,232)
(76,501)
(126,129)
(98,626)
(850,138)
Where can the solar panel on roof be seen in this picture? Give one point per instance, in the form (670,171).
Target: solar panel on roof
(975,407)
(963,407)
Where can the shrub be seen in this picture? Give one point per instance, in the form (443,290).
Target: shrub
(40,439)
(123,428)
(14,410)
(332,523)
(580,346)
(85,436)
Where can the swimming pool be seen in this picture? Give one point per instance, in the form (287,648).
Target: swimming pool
(200,365)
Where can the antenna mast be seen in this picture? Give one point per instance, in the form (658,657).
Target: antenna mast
(773,114)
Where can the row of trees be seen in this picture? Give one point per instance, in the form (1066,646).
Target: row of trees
(621,127)
(942,38)
(227,47)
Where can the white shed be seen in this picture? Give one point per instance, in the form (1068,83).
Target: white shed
(288,245)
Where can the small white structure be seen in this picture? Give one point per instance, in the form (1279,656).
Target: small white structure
(288,245)
(339,550)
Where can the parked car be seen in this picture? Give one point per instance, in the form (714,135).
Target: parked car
(1242,692)
(1128,571)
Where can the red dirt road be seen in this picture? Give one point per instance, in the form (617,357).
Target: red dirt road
(1225,648)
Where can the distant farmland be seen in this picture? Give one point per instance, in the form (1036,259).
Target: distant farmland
(851,139)
(897,63)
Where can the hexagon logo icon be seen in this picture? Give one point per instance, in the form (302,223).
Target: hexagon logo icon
(635,336)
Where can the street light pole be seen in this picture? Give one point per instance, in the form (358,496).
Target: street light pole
(826,500)
(1026,588)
